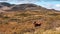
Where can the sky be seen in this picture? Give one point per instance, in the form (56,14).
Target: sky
(50,4)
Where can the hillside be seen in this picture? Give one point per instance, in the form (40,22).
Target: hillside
(29,19)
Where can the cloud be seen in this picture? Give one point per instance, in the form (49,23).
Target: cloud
(49,6)
(57,5)
(49,0)
(22,1)
(53,6)
(29,0)
(3,0)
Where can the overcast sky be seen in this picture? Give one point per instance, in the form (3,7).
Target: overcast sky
(51,4)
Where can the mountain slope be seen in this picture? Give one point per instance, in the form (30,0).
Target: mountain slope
(26,7)
(5,4)
(29,19)
(13,7)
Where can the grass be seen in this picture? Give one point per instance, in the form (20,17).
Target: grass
(22,22)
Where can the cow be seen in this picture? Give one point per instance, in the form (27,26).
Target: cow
(37,24)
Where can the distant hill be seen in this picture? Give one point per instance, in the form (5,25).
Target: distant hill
(5,4)
(25,6)
(12,7)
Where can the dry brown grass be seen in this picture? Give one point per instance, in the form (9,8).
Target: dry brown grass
(22,22)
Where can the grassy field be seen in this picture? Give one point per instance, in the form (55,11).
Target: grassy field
(21,22)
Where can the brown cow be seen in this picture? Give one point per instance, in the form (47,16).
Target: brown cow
(37,24)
